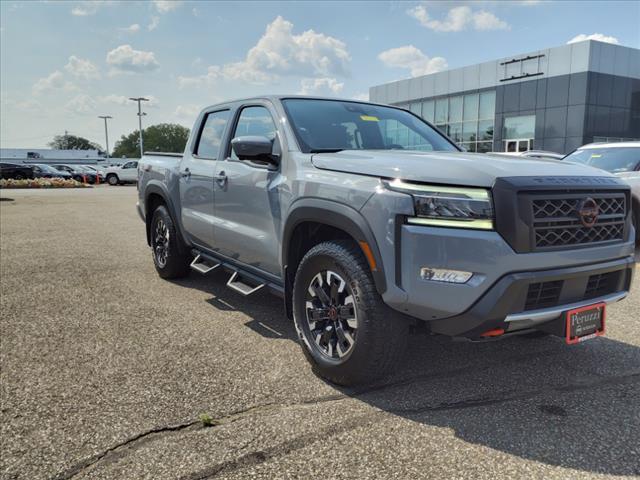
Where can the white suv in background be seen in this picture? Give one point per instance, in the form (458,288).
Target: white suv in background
(620,158)
(126,173)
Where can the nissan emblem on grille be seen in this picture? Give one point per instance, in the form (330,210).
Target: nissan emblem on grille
(588,212)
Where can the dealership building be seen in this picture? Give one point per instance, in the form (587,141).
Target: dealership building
(554,99)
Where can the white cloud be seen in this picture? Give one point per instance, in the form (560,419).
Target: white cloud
(155,21)
(82,103)
(164,6)
(89,7)
(114,99)
(133,28)
(600,37)
(412,58)
(55,81)
(484,20)
(188,112)
(458,19)
(126,59)
(320,86)
(281,52)
(123,101)
(80,67)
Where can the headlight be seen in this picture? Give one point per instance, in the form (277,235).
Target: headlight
(440,206)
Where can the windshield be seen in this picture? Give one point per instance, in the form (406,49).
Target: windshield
(334,125)
(615,159)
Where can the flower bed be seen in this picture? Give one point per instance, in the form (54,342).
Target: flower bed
(41,183)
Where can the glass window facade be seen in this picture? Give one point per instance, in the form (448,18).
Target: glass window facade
(467,119)
(519,127)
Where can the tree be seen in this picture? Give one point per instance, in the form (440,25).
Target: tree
(73,142)
(164,137)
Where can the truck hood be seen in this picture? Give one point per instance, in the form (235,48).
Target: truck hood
(460,168)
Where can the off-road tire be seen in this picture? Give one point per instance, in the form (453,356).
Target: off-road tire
(112,179)
(176,264)
(381,334)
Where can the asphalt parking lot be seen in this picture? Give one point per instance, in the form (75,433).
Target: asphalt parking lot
(105,369)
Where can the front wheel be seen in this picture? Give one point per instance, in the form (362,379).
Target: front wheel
(346,331)
(165,246)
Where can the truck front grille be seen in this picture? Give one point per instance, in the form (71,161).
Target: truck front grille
(557,221)
(548,294)
(543,295)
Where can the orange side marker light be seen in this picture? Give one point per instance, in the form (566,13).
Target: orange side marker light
(366,249)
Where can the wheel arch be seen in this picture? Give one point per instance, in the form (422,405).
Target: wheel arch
(311,221)
(155,195)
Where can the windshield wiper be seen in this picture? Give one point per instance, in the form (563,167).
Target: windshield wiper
(325,150)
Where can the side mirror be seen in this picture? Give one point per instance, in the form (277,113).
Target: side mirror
(254,148)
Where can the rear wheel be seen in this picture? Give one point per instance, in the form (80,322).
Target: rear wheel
(112,179)
(347,332)
(166,246)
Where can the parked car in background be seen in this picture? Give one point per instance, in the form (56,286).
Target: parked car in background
(99,171)
(78,172)
(15,171)
(41,170)
(126,173)
(622,159)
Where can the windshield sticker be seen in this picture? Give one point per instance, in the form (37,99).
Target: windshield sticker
(369,118)
(596,155)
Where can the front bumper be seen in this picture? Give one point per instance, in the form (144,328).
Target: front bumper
(508,304)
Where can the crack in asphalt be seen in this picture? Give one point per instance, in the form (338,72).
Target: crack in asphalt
(263,455)
(85,465)
(260,456)
(133,443)
(136,441)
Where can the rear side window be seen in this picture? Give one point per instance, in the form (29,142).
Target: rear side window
(211,134)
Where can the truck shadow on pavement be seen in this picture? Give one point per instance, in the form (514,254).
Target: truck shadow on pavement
(575,407)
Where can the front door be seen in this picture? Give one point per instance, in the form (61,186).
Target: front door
(247,206)
(196,171)
(129,172)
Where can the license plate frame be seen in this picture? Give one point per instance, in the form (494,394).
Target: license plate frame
(572,336)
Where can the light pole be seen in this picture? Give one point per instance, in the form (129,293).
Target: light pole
(140,114)
(106,132)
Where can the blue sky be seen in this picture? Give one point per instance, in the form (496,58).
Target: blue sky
(64,63)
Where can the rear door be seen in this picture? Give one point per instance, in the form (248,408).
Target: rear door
(247,196)
(196,171)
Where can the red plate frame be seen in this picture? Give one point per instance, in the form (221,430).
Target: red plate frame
(597,333)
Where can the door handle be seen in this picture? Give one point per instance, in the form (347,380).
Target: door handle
(221,178)
(186,173)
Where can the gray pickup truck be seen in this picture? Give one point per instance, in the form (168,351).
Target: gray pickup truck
(366,219)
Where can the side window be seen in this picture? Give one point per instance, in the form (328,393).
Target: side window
(129,165)
(254,121)
(211,135)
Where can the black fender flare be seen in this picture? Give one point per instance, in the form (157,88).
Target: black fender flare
(160,189)
(336,215)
